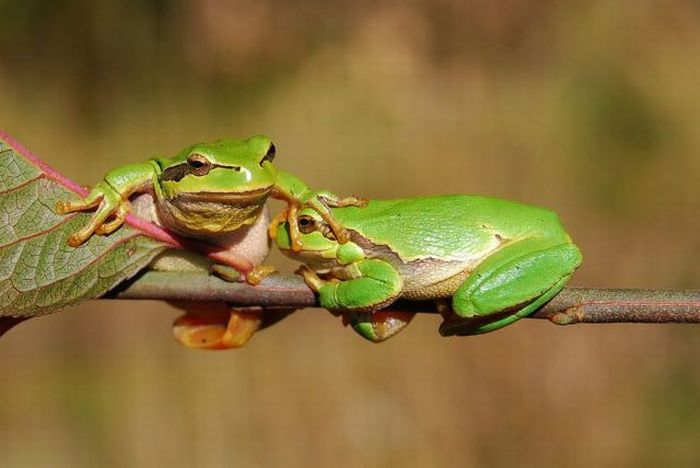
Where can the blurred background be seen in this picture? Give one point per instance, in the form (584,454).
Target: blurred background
(591,108)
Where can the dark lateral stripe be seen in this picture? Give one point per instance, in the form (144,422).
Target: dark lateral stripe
(175,173)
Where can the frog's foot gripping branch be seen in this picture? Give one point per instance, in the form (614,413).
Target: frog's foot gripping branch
(109,204)
(252,277)
(378,326)
(360,301)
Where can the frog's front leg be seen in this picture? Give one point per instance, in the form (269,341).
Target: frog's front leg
(119,216)
(322,201)
(107,201)
(359,290)
(111,197)
(513,283)
(297,195)
(363,286)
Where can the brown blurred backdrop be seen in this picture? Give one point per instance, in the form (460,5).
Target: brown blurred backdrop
(589,107)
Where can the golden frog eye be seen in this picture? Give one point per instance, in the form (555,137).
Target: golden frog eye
(306,224)
(198,165)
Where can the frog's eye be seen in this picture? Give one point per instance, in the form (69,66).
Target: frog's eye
(198,165)
(306,224)
(270,155)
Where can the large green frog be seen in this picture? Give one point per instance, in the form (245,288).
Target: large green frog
(485,260)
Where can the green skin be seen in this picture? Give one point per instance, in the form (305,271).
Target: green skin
(217,192)
(495,260)
(228,196)
(206,190)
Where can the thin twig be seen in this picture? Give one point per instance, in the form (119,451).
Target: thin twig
(572,305)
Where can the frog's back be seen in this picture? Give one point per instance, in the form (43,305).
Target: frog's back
(449,227)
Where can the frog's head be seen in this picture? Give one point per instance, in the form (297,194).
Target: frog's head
(231,169)
(216,187)
(319,245)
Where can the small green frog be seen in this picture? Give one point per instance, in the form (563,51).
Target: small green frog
(495,260)
(213,191)
(206,190)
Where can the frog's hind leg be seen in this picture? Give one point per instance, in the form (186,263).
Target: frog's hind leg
(215,325)
(487,323)
(378,326)
(513,283)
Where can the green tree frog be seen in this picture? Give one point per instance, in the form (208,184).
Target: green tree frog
(484,260)
(214,191)
(206,190)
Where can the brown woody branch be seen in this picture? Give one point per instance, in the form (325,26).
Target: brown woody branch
(573,305)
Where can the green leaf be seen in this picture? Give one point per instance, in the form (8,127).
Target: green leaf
(39,272)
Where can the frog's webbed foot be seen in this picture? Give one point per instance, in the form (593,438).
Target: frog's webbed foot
(216,325)
(259,273)
(378,326)
(119,216)
(253,277)
(310,277)
(108,203)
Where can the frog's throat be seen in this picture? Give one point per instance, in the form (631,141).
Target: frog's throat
(212,213)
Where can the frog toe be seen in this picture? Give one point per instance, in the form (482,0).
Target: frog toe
(226,273)
(112,225)
(259,273)
(378,326)
(218,328)
(63,207)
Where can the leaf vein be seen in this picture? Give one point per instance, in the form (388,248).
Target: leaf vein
(22,185)
(97,257)
(37,234)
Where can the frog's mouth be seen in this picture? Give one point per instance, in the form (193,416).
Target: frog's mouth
(318,259)
(249,197)
(196,214)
